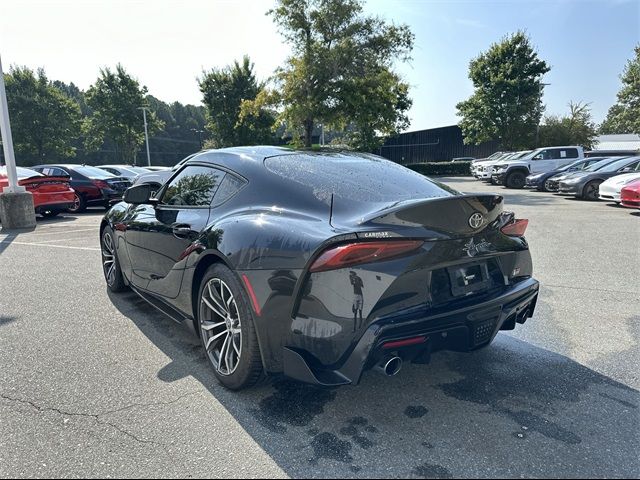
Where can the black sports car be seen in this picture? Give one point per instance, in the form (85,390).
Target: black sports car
(319,265)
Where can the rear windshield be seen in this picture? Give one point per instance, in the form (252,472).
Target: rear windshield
(22,172)
(357,177)
(92,172)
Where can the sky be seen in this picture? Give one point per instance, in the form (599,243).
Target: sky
(167,44)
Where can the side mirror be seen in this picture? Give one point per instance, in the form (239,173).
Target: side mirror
(138,194)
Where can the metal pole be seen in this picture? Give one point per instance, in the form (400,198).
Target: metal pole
(540,85)
(146,134)
(322,134)
(7,142)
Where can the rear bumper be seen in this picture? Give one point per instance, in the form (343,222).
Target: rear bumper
(107,198)
(55,206)
(464,329)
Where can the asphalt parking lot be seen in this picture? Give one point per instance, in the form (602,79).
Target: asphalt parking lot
(101,385)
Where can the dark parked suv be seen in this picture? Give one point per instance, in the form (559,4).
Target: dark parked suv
(93,186)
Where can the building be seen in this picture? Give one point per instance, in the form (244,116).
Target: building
(624,141)
(433,145)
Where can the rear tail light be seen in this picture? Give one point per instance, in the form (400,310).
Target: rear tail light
(516,228)
(101,184)
(365,252)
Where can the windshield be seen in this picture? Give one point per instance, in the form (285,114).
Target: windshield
(92,172)
(22,172)
(612,167)
(521,154)
(580,164)
(600,164)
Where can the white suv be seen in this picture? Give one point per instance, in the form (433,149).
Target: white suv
(513,172)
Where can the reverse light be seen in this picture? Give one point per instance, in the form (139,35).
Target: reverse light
(516,228)
(364,252)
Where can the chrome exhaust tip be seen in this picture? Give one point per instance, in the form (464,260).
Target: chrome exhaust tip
(390,366)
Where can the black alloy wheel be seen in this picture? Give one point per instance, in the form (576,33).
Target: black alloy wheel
(110,264)
(516,180)
(227,330)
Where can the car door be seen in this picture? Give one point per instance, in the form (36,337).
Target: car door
(158,236)
(543,161)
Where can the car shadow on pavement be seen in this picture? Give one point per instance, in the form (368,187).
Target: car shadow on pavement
(512,410)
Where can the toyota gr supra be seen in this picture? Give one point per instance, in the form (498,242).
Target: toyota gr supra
(319,266)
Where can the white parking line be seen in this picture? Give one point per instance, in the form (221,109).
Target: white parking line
(68,247)
(72,239)
(64,232)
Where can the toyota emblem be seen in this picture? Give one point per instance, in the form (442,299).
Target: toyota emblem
(476,220)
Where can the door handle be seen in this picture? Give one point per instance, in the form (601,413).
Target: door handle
(181,230)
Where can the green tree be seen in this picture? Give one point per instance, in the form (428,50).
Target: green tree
(223,91)
(624,116)
(45,122)
(340,73)
(507,101)
(115,100)
(577,128)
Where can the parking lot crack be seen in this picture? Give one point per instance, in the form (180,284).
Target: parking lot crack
(152,404)
(96,417)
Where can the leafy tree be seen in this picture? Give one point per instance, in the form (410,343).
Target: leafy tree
(224,90)
(45,122)
(577,128)
(507,101)
(115,100)
(624,116)
(182,133)
(340,73)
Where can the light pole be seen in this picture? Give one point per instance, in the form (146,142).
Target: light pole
(7,141)
(540,85)
(199,132)
(16,204)
(146,134)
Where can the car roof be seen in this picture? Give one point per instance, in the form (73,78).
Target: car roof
(244,160)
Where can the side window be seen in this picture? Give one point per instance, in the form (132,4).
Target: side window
(58,172)
(569,153)
(194,186)
(543,155)
(229,186)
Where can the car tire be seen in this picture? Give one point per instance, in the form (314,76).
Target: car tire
(591,190)
(79,204)
(110,263)
(516,179)
(50,213)
(227,329)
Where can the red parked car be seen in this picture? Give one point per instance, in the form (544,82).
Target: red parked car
(51,195)
(630,195)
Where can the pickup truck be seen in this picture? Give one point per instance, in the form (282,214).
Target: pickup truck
(513,172)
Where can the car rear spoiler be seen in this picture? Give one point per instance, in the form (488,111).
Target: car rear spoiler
(455,215)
